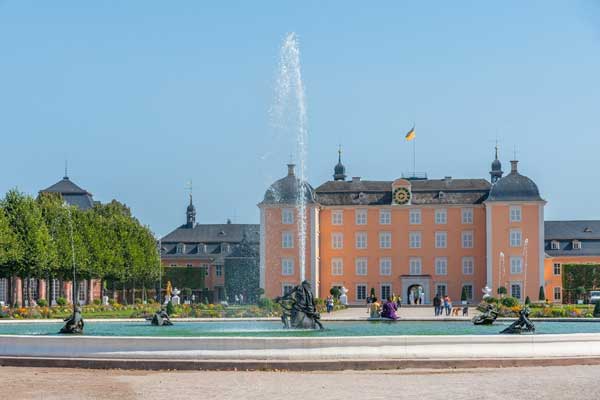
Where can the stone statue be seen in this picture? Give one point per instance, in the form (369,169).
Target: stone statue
(487,292)
(523,324)
(74,324)
(299,310)
(161,318)
(175,299)
(344,296)
(487,317)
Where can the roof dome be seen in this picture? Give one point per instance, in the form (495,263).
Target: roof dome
(515,187)
(285,190)
(339,171)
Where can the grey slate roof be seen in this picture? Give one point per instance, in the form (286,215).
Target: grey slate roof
(514,187)
(213,233)
(587,232)
(71,193)
(427,191)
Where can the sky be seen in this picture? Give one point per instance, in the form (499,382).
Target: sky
(143,96)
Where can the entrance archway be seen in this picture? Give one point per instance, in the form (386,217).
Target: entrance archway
(413,294)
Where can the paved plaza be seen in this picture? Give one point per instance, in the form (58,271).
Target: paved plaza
(503,383)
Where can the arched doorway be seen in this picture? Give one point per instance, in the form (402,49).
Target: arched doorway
(415,294)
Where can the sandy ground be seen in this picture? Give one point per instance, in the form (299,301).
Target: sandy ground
(507,383)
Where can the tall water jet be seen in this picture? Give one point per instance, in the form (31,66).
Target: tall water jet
(290,114)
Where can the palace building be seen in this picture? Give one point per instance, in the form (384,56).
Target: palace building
(406,235)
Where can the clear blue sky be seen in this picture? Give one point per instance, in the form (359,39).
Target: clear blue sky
(141,96)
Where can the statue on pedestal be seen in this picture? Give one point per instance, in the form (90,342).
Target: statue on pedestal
(175,299)
(299,309)
(523,324)
(487,317)
(487,292)
(344,296)
(161,318)
(74,324)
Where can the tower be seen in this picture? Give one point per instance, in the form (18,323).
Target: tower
(496,172)
(339,171)
(190,214)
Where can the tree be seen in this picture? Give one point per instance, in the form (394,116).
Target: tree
(527,301)
(502,290)
(463,294)
(335,292)
(9,246)
(542,295)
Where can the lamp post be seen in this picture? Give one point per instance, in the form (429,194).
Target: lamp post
(74,324)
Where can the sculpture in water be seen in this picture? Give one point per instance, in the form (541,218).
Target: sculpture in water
(523,324)
(487,317)
(161,318)
(299,310)
(74,324)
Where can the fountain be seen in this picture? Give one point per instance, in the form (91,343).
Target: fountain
(299,309)
(74,324)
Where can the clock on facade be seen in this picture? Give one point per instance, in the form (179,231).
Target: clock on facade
(401,195)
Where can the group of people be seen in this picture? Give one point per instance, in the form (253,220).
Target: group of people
(239,299)
(386,310)
(442,304)
(416,298)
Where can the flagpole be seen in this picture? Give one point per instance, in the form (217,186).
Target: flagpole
(414,158)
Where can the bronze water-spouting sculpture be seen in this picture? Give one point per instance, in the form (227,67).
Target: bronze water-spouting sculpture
(487,317)
(299,309)
(523,324)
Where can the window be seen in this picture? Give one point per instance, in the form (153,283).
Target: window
(81,292)
(219,269)
(515,214)
(515,290)
(441,216)
(415,266)
(287,216)
(188,265)
(361,240)
(414,216)
(440,240)
(4,290)
(361,217)
(576,245)
(180,248)
(287,266)
(515,238)
(441,266)
(361,266)
(516,265)
(556,269)
(385,266)
(287,240)
(361,292)
(30,288)
(469,289)
(467,216)
(337,266)
(54,291)
(386,291)
(555,245)
(337,240)
(467,239)
(414,240)
(385,217)
(385,240)
(557,292)
(468,265)
(286,288)
(337,217)
(440,289)
(172,265)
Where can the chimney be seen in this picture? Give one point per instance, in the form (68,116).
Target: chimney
(513,166)
(291,169)
(356,179)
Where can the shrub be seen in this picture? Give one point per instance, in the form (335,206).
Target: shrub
(510,302)
(372,292)
(61,301)
(596,312)
(580,292)
(335,292)
(97,302)
(170,308)
(463,294)
(138,300)
(187,292)
(542,296)
(502,290)
(112,302)
(42,302)
(265,302)
(527,301)
(491,300)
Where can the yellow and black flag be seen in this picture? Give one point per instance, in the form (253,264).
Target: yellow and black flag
(410,135)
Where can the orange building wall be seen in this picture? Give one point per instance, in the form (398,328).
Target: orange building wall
(555,281)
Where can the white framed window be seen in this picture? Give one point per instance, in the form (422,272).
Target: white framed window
(557,293)
(441,240)
(469,289)
(515,238)
(287,266)
(361,292)
(555,245)
(287,240)
(467,239)
(441,216)
(576,245)
(4,290)
(467,216)
(286,288)
(385,266)
(415,267)
(337,266)
(414,216)
(414,240)
(385,240)
(361,217)
(386,291)
(515,290)
(361,240)
(219,269)
(287,216)
(385,217)
(337,240)
(54,291)
(515,213)
(361,266)
(556,269)
(337,217)
(441,289)
(81,292)
(516,265)
(441,266)
(468,265)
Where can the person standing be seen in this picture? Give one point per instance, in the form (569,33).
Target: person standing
(241,298)
(329,304)
(422,298)
(437,303)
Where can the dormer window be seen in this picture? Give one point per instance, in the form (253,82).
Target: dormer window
(441,195)
(225,247)
(555,245)
(587,229)
(576,245)
(180,248)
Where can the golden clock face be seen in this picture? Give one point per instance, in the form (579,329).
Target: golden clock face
(401,195)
